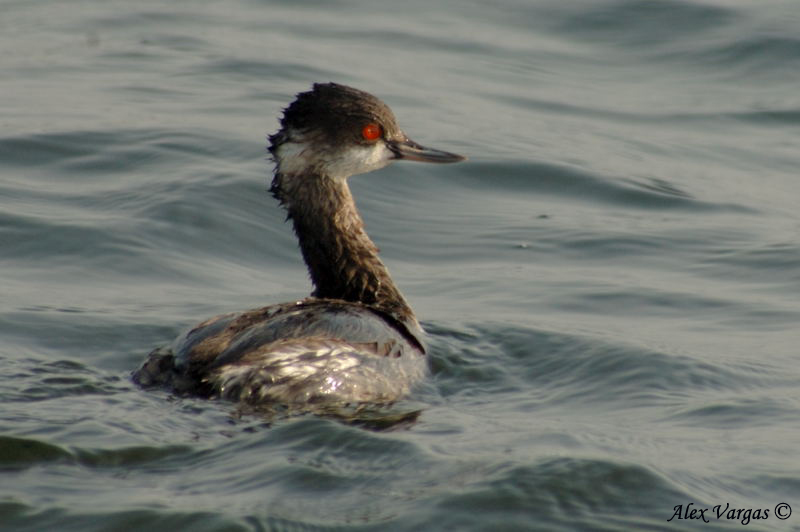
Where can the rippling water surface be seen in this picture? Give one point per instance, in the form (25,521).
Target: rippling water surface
(611,283)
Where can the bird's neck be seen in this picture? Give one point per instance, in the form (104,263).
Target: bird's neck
(342,260)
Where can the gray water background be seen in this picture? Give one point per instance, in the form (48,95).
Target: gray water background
(611,283)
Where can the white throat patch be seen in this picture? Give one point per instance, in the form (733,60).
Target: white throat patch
(298,157)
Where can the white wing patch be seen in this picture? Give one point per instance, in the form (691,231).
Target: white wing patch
(299,372)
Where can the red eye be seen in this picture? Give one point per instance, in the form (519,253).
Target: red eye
(372,132)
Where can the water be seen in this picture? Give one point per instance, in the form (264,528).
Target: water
(610,283)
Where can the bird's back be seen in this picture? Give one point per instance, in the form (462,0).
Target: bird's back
(315,350)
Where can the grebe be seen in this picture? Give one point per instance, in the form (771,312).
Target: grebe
(355,340)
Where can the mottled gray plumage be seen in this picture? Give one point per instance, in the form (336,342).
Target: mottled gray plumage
(356,339)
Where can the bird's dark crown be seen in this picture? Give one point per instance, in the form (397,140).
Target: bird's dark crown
(334,114)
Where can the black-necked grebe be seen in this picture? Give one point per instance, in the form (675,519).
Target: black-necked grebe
(355,339)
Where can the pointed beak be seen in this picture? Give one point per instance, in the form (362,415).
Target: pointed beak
(405,148)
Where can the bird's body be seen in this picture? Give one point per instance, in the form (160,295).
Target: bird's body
(356,339)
